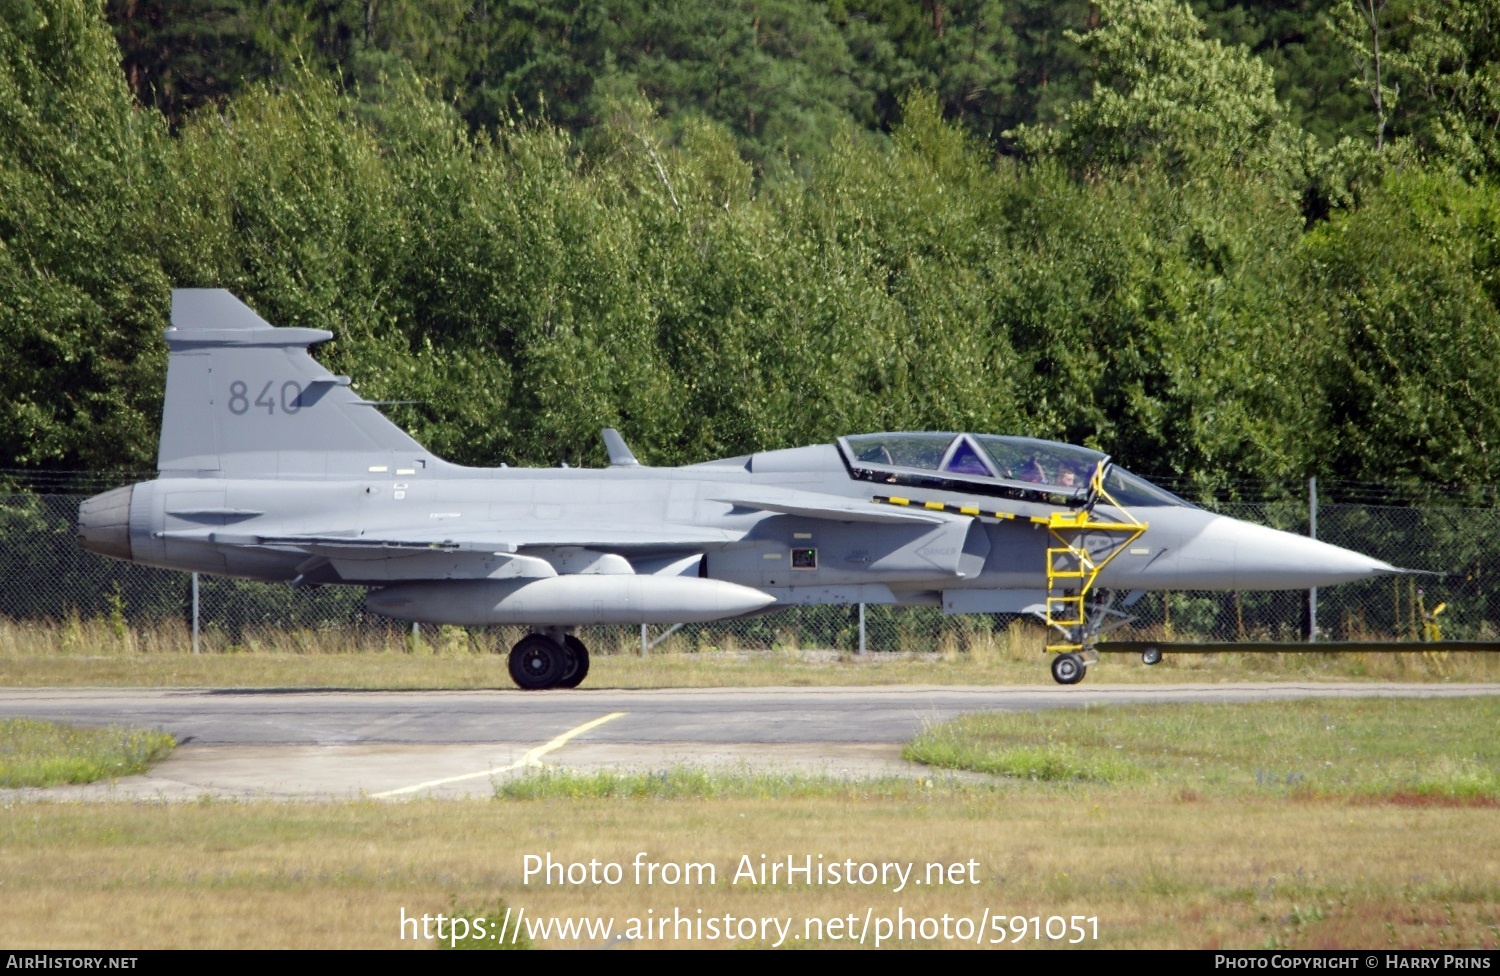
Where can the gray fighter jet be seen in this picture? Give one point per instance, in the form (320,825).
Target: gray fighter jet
(272,468)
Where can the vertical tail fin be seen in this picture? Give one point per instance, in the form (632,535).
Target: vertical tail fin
(244,399)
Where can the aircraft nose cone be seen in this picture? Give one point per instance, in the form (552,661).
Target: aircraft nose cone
(1269,559)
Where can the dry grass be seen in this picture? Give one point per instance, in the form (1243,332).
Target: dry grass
(108,653)
(1156,871)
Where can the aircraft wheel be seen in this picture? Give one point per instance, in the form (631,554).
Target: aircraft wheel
(578,663)
(1068,669)
(1150,656)
(536,662)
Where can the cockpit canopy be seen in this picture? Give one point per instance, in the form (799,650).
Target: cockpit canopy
(987,464)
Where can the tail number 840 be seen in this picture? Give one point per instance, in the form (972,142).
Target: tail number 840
(288,398)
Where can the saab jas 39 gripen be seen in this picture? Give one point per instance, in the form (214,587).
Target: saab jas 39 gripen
(272,468)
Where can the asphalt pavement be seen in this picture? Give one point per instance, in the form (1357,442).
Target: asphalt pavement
(322,744)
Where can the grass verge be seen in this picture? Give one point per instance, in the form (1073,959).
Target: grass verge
(36,753)
(688,783)
(1342,747)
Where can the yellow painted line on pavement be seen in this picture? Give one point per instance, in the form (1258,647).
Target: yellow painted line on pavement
(533,757)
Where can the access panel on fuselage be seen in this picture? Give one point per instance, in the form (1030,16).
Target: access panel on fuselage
(792,551)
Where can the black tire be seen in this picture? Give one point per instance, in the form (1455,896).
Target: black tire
(1068,669)
(578,663)
(1150,656)
(536,663)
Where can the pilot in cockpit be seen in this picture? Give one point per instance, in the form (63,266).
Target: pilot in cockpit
(880,455)
(1033,471)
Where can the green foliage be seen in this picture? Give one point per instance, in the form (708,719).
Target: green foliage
(781,74)
(1169,96)
(1192,284)
(1154,321)
(1409,332)
(81,298)
(37,753)
(529,295)
(1451,63)
(969,54)
(1164,91)
(1363,27)
(1312,69)
(116,616)
(181,55)
(1427,72)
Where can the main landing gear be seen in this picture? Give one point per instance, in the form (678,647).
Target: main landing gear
(548,659)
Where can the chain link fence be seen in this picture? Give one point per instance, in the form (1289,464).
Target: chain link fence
(48,581)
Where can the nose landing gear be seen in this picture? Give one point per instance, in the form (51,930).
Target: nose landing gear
(1068,669)
(1076,652)
(1083,547)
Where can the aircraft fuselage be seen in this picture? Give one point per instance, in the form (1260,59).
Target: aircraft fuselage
(271,468)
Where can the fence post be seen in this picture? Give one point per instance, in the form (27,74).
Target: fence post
(1312,531)
(644,646)
(195,613)
(861,629)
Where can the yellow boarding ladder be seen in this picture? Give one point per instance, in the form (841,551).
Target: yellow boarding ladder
(1072,569)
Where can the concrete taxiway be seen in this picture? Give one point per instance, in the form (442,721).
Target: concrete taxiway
(296,744)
